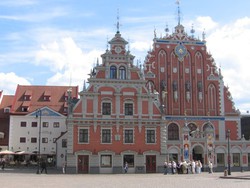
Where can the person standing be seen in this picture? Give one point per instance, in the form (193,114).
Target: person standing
(63,167)
(126,167)
(193,167)
(210,166)
(165,168)
(3,163)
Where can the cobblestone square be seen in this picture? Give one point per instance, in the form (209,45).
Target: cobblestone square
(13,178)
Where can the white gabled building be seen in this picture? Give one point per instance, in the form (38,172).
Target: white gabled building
(38,117)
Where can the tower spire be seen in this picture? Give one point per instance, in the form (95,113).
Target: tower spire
(179,12)
(118,22)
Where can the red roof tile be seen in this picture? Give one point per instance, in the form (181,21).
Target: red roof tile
(56,102)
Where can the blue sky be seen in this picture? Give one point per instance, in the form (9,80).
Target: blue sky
(56,42)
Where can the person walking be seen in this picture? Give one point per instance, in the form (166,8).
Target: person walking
(43,166)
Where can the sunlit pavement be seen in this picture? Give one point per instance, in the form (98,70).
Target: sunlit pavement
(28,178)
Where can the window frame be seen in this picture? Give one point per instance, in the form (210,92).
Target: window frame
(150,132)
(236,159)
(106,108)
(64,143)
(34,124)
(127,137)
(130,159)
(173,132)
(45,140)
(23,124)
(220,159)
(122,73)
(128,109)
(83,137)
(22,140)
(106,135)
(106,160)
(56,124)
(45,124)
(33,140)
(113,72)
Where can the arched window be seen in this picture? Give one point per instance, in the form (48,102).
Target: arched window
(113,72)
(122,73)
(208,126)
(173,132)
(193,128)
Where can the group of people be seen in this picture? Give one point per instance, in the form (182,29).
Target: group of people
(182,167)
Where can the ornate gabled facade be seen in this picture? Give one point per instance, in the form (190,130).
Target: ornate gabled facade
(197,107)
(175,108)
(117,119)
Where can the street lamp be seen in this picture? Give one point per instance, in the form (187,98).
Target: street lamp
(228,151)
(39,113)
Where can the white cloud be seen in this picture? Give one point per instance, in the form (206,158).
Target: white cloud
(230,49)
(205,22)
(67,61)
(9,82)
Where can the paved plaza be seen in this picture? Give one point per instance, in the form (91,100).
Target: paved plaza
(12,178)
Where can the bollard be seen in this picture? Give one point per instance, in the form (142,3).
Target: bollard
(225,172)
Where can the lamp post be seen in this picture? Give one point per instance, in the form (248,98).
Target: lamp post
(39,113)
(228,151)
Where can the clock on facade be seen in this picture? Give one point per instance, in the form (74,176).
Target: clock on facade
(118,49)
(180,51)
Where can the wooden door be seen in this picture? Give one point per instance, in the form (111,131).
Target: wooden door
(83,164)
(150,164)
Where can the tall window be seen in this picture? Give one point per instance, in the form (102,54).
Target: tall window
(113,72)
(150,135)
(129,159)
(106,108)
(220,159)
(128,109)
(106,160)
(106,136)
(236,159)
(83,135)
(64,143)
(128,136)
(173,132)
(122,73)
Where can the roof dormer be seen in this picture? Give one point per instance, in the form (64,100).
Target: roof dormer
(27,95)
(47,96)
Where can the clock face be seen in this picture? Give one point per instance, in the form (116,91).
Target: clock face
(180,51)
(118,49)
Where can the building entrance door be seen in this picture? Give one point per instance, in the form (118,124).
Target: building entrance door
(150,164)
(83,164)
(198,154)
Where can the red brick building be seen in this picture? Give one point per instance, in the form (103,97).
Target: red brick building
(175,108)
(198,109)
(116,120)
